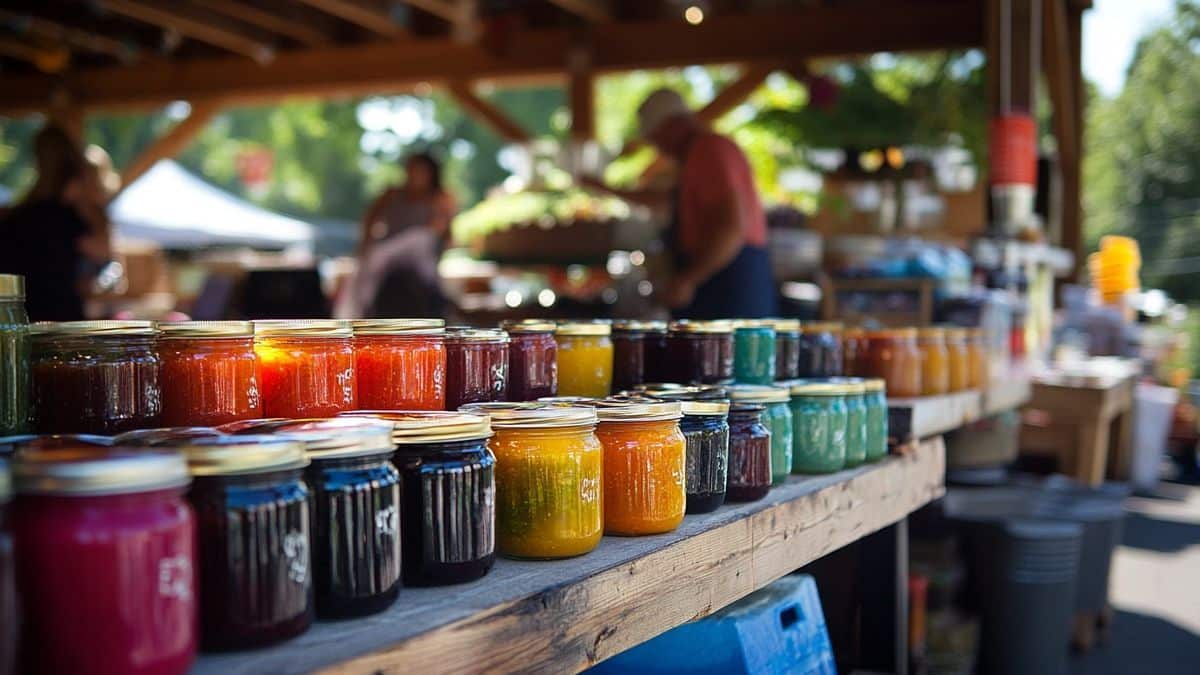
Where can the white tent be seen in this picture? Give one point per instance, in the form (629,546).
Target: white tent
(175,209)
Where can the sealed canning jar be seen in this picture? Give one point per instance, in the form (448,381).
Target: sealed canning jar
(585,358)
(400,364)
(935,361)
(855,352)
(877,419)
(777,417)
(787,348)
(894,356)
(977,359)
(476,366)
(95,377)
(307,367)
(252,524)
(753,352)
(14,357)
(749,453)
(630,361)
(820,349)
(705,427)
(699,352)
(448,492)
(106,561)
(209,373)
(654,348)
(857,432)
(821,422)
(532,360)
(9,621)
(645,459)
(958,359)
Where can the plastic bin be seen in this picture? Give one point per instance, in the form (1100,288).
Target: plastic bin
(1153,409)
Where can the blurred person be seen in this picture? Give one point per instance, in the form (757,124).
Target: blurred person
(58,236)
(420,202)
(718,231)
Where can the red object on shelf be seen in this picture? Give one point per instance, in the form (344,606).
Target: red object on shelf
(400,372)
(1013,143)
(209,382)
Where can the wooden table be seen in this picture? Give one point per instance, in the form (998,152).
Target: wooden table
(563,616)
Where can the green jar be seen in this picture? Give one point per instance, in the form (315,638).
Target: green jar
(856,422)
(14,356)
(753,352)
(877,419)
(778,418)
(820,423)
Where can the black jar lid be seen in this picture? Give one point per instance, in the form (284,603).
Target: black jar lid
(84,470)
(429,426)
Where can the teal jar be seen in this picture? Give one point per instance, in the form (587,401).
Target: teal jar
(777,417)
(820,422)
(856,422)
(14,356)
(877,419)
(753,352)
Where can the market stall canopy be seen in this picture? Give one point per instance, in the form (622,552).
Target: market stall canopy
(176,209)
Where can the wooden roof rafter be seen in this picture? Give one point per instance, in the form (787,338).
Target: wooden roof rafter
(297,29)
(75,38)
(595,11)
(361,14)
(191,22)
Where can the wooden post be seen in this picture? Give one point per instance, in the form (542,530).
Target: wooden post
(582,87)
(1013,40)
(486,113)
(171,143)
(1073,226)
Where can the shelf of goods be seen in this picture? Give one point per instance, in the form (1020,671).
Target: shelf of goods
(563,616)
(927,416)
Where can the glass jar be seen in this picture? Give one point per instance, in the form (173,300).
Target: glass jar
(254,544)
(95,377)
(958,359)
(9,619)
(821,422)
(645,463)
(699,352)
(548,477)
(777,417)
(532,360)
(400,364)
(705,427)
(855,353)
(209,373)
(629,351)
(306,368)
(585,359)
(856,420)
(877,419)
(753,352)
(787,348)
(14,359)
(820,350)
(476,366)
(750,471)
(654,349)
(448,492)
(977,359)
(106,561)
(935,361)
(894,356)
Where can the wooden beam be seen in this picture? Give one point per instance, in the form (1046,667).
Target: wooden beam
(1073,227)
(1013,46)
(442,9)
(735,93)
(212,30)
(360,14)
(596,11)
(486,113)
(46,59)
(295,28)
(581,95)
(173,142)
(1056,47)
(72,37)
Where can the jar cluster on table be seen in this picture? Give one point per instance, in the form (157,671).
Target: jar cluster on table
(928,361)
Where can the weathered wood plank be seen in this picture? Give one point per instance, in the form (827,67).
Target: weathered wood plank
(563,616)
(928,416)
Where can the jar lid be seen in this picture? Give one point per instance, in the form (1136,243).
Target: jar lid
(83,470)
(931,332)
(485,335)
(528,326)
(12,287)
(94,328)
(955,331)
(704,408)
(301,328)
(746,407)
(584,328)
(892,334)
(638,411)
(568,400)
(165,436)
(692,327)
(10,444)
(853,331)
(421,427)
(785,325)
(398,326)
(752,323)
(874,384)
(759,393)
(231,455)
(815,388)
(853,385)
(821,327)
(206,329)
(335,438)
(534,415)
(639,326)
(683,392)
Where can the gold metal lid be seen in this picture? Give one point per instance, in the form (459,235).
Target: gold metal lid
(713,327)
(421,427)
(759,393)
(398,326)
(637,325)
(638,411)
(10,444)
(12,287)
(528,326)
(874,384)
(231,455)
(461,334)
(704,408)
(534,415)
(785,325)
(821,327)
(94,328)
(931,332)
(683,392)
(334,438)
(206,329)
(568,400)
(167,436)
(815,388)
(584,328)
(85,470)
(854,385)
(752,323)
(956,332)
(302,328)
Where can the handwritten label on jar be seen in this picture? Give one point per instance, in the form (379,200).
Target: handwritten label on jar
(175,577)
(345,380)
(387,521)
(295,552)
(589,490)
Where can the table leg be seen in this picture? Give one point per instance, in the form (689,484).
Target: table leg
(1091,456)
(1123,431)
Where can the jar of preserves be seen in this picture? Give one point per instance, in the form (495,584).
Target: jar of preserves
(476,366)
(894,356)
(820,349)
(977,359)
(935,361)
(14,359)
(699,352)
(448,492)
(750,468)
(857,432)
(306,367)
(787,348)
(877,419)
(9,619)
(855,353)
(777,417)
(95,377)
(753,352)
(958,359)
(654,348)
(705,427)
(532,360)
(629,351)
(585,358)
(400,364)
(209,373)
(821,422)
(645,459)
(252,524)
(106,562)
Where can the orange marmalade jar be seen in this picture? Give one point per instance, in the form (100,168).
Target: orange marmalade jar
(208,372)
(894,356)
(645,457)
(935,361)
(307,367)
(959,359)
(400,364)
(977,359)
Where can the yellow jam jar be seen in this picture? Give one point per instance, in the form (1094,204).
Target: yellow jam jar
(585,358)
(645,466)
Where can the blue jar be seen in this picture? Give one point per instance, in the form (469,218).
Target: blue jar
(753,352)
(820,421)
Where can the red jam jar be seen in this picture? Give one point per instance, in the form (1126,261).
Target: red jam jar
(95,377)
(699,352)
(106,561)
(9,622)
(307,367)
(532,360)
(476,366)
(400,364)
(209,373)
